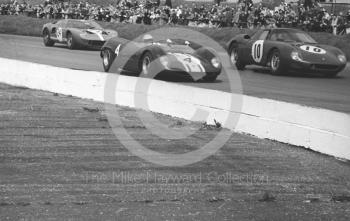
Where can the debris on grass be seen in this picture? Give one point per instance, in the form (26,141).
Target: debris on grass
(92,110)
(177,123)
(102,119)
(206,126)
(22,204)
(341,198)
(217,124)
(312,200)
(5,204)
(194,214)
(342,160)
(215,199)
(80,203)
(267,197)
(134,126)
(120,210)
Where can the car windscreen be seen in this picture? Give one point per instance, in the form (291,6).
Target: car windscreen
(256,35)
(294,36)
(84,24)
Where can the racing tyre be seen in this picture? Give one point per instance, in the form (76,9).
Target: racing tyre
(107,58)
(145,62)
(47,40)
(70,41)
(234,58)
(276,63)
(332,75)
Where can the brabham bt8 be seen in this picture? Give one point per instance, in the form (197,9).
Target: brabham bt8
(76,33)
(285,50)
(171,56)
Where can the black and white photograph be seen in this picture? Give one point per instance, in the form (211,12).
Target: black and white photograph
(174,110)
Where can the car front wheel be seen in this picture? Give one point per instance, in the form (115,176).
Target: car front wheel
(70,41)
(145,63)
(235,59)
(107,59)
(277,67)
(47,40)
(332,74)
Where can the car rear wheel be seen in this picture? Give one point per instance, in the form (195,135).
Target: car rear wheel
(107,58)
(47,40)
(70,41)
(276,63)
(145,63)
(234,58)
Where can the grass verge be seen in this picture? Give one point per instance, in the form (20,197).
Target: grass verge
(21,25)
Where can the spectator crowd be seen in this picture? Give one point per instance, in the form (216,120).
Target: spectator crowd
(300,14)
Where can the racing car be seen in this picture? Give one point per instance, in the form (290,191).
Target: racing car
(285,50)
(175,56)
(76,34)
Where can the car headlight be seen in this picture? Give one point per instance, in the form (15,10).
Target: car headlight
(342,58)
(215,62)
(296,56)
(164,61)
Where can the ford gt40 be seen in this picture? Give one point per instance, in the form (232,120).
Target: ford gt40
(76,34)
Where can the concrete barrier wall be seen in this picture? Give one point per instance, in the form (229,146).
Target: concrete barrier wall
(321,130)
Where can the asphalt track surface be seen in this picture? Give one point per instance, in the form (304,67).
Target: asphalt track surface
(59,160)
(312,91)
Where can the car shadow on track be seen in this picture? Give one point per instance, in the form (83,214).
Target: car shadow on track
(267,71)
(182,79)
(75,49)
(174,77)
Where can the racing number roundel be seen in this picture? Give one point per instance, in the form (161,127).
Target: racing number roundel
(117,50)
(59,34)
(313,49)
(257,50)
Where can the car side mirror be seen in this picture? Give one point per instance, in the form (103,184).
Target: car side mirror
(246,37)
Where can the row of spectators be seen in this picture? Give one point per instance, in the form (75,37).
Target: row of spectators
(245,14)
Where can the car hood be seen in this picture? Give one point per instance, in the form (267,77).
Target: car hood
(318,53)
(97,34)
(176,48)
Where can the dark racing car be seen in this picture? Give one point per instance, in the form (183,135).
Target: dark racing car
(171,56)
(285,50)
(76,34)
